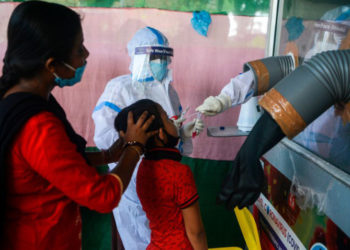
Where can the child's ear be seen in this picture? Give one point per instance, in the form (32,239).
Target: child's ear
(121,133)
(162,134)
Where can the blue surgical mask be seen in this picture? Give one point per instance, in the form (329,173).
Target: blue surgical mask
(71,81)
(159,69)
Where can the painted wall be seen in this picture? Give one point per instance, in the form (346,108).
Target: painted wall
(201,65)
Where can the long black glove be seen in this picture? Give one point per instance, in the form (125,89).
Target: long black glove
(245,180)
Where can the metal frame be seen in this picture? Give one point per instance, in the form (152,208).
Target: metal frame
(275,18)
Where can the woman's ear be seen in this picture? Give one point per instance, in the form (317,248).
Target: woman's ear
(50,64)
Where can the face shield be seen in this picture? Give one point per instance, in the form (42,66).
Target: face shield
(330,31)
(150,63)
(328,37)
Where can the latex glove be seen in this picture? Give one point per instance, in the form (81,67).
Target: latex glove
(214,105)
(179,120)
(195,127)
(245,180)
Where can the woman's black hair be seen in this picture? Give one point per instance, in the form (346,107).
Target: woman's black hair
(137,108)
(37,31)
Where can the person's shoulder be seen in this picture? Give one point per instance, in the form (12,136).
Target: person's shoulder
(117,84)
(44,116)
(41,120)
(119,80)
(179,167)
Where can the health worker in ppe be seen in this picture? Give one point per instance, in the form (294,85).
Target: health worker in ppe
(150,78)
(328,136)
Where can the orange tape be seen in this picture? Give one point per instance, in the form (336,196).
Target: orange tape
(345,43)
(283,113)
(263,76)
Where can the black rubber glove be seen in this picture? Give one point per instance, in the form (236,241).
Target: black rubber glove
(245,180)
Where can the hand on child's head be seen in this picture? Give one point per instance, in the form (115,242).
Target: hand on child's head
(138,131)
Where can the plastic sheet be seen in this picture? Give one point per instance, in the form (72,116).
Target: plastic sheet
(328,136)
(307,197)
(201,21)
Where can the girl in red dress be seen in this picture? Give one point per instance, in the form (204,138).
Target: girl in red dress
(166,187)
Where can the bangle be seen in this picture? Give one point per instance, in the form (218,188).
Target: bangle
(136,150)
(136,143)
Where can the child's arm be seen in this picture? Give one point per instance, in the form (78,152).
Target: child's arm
(194,227)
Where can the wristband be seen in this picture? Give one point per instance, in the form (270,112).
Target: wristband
(135,143)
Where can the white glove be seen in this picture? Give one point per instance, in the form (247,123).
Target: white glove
(192,128)
(178,121)
(214,105)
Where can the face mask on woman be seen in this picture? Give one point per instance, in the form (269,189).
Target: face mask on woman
(71,81)
(159,69)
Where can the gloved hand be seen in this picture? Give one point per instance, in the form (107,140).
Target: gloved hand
(192,128)
(245,180)
(179,120)
(214,105)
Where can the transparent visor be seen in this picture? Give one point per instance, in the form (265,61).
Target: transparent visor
(329,35)
(151,63)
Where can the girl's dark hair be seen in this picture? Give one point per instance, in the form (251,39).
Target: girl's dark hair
(37,31)
(137,108)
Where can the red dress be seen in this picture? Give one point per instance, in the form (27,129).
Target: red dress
(166,186)
(47,181)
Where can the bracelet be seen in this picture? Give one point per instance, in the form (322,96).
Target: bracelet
(135,143)
(136,150)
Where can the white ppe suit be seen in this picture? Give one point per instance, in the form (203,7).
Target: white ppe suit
(120,92)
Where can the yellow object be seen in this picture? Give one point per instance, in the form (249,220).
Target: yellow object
(249,230)
(226,248)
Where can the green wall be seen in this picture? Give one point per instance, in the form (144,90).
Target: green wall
(237,7)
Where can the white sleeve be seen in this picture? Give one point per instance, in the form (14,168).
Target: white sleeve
(185,145)
(105,133)
(240,89)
